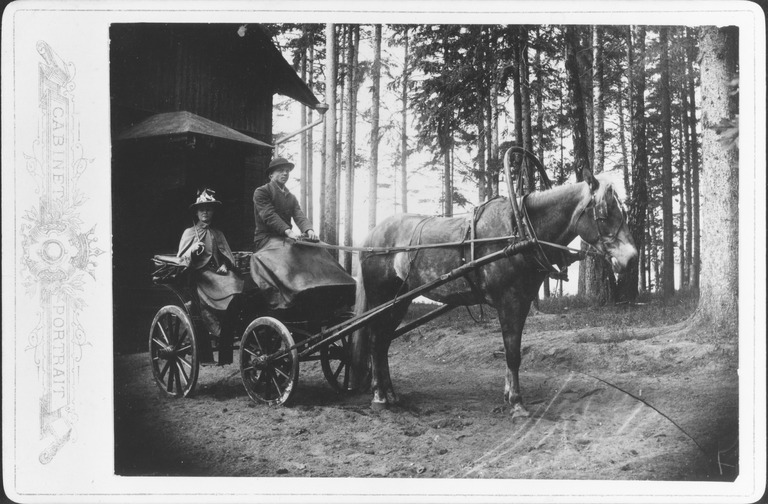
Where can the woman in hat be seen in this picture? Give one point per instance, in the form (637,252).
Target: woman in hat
(205,251)
(274,206)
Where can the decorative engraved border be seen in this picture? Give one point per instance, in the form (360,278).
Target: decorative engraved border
(57,258)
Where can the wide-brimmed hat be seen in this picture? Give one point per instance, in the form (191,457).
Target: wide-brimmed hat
(277,163)
(205,196)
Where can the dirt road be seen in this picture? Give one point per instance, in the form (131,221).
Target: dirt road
(451,421)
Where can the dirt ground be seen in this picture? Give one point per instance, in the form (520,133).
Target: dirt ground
(451,421)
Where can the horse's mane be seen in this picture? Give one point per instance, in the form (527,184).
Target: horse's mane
(560,194)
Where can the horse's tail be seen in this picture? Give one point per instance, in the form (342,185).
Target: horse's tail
(359,342)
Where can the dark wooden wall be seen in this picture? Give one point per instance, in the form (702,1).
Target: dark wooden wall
(208,70)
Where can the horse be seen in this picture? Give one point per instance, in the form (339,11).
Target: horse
(589,209)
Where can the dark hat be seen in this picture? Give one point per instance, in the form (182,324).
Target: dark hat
(278,162)
(205,196)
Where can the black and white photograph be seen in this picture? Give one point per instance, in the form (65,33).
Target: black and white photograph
(384,255)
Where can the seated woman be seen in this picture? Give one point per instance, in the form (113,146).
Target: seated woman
(205,251)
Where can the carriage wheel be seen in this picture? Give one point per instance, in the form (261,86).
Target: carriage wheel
(336,362)
(268,376)
(173,351)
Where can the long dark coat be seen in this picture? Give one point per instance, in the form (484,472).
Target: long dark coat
(273,210)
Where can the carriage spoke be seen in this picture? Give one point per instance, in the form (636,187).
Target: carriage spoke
(338,371)
(346,378)
(165,336)
(171,374)
(282,373)
(172,330)
(160,343)
(274,380)
(166,366)
(180,370)
(250,352)
(258,343)
(185,362)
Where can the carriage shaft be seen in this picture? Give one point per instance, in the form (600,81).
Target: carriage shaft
(349,326)
(422,320)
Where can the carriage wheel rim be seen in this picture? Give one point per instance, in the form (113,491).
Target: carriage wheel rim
(268,380)
(173,352)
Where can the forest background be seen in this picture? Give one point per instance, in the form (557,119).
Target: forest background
(421,116)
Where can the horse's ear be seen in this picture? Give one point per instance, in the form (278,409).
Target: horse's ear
(590,179)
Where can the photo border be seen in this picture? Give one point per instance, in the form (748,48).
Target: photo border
(57,366)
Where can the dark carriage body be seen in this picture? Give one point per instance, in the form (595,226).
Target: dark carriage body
(263,329)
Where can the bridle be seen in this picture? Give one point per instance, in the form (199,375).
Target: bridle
(598,212)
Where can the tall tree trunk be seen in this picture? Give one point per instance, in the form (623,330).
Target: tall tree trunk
(577,112)
(404,130)
(581,150)
(681,201)
(447,184)
(598,106)
(517,102)
(329,227)
(494,164)
(373,179)
(525,100)
(623,141)
(310,208)
(668,224)
(599,277)
(479,116)
(688,170)
(353,39)
(638,202)
(719,295)
(540,125)
(446,135)
(584,61)
(303,123)
(695,165)
(654,250)
(643,270)
(341,83)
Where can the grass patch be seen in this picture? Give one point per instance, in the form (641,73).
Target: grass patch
(574,313)
(651,311)
(618,336)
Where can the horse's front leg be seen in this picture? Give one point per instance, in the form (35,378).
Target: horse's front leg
(513,310)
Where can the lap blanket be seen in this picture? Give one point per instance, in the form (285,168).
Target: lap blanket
(289,275)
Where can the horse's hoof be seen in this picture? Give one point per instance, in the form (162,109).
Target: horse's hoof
(518,411)
(379,405)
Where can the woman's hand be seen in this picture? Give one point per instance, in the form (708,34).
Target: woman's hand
(222,269)
(311,235)
(290,233)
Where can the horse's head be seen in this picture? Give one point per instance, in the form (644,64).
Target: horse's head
(603,224)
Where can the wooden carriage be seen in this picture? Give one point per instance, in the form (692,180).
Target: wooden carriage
(267,339)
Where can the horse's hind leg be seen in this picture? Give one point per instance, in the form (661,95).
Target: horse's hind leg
(382,330)
(512,314)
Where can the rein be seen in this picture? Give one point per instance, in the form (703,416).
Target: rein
(411,248)
(520,219)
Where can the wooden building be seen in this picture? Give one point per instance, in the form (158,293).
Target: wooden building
(191,106)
